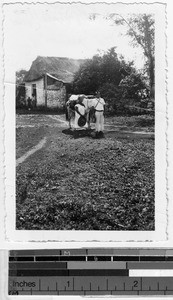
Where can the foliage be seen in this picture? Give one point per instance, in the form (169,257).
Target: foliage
(20,76)
(132,86)
(20,88)
(116,79)
(140,28)
(111,94)
(99,70)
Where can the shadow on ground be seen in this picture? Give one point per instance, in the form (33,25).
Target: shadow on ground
(76,134)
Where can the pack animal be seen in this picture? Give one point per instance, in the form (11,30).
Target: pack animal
(77,105)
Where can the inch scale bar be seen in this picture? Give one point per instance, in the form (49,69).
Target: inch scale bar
(91,272)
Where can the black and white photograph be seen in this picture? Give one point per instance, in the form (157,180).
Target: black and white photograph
(85,102)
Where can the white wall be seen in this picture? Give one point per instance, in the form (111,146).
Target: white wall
(55,98)
(40,91)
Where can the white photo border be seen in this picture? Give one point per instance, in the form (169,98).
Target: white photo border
(161,202)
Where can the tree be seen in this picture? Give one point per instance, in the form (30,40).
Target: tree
(140,28)
(20,76)
(117,80)
(132,86)
(101,69)
(87,79)
(20,88)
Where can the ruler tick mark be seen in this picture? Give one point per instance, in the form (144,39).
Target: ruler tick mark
(141,283)
(157,285)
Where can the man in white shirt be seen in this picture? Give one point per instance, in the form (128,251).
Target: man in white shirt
(99,105)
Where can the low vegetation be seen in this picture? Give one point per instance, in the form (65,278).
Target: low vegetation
(86,184)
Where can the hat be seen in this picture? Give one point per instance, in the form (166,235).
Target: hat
(81,121)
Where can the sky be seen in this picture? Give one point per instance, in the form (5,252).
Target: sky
(62,31)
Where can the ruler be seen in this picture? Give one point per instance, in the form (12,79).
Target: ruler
(91,272)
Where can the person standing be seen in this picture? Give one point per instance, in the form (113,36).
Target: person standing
(29,102)
(99,105)
(33,101)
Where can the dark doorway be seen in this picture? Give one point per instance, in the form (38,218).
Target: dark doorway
(34,95)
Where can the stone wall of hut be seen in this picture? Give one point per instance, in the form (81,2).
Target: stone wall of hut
(56,98)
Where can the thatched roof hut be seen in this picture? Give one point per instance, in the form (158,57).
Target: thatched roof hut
(62,68)
(48,79)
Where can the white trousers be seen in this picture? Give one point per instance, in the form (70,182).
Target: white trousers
(99,121)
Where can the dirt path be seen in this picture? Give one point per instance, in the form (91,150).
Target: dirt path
(31,129)
(65,182)
(108,127)
(30,152)
(59,119)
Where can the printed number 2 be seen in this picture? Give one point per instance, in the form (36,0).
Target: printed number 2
(135,283)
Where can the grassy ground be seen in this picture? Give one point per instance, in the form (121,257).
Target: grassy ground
(136,123)
(82,183)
